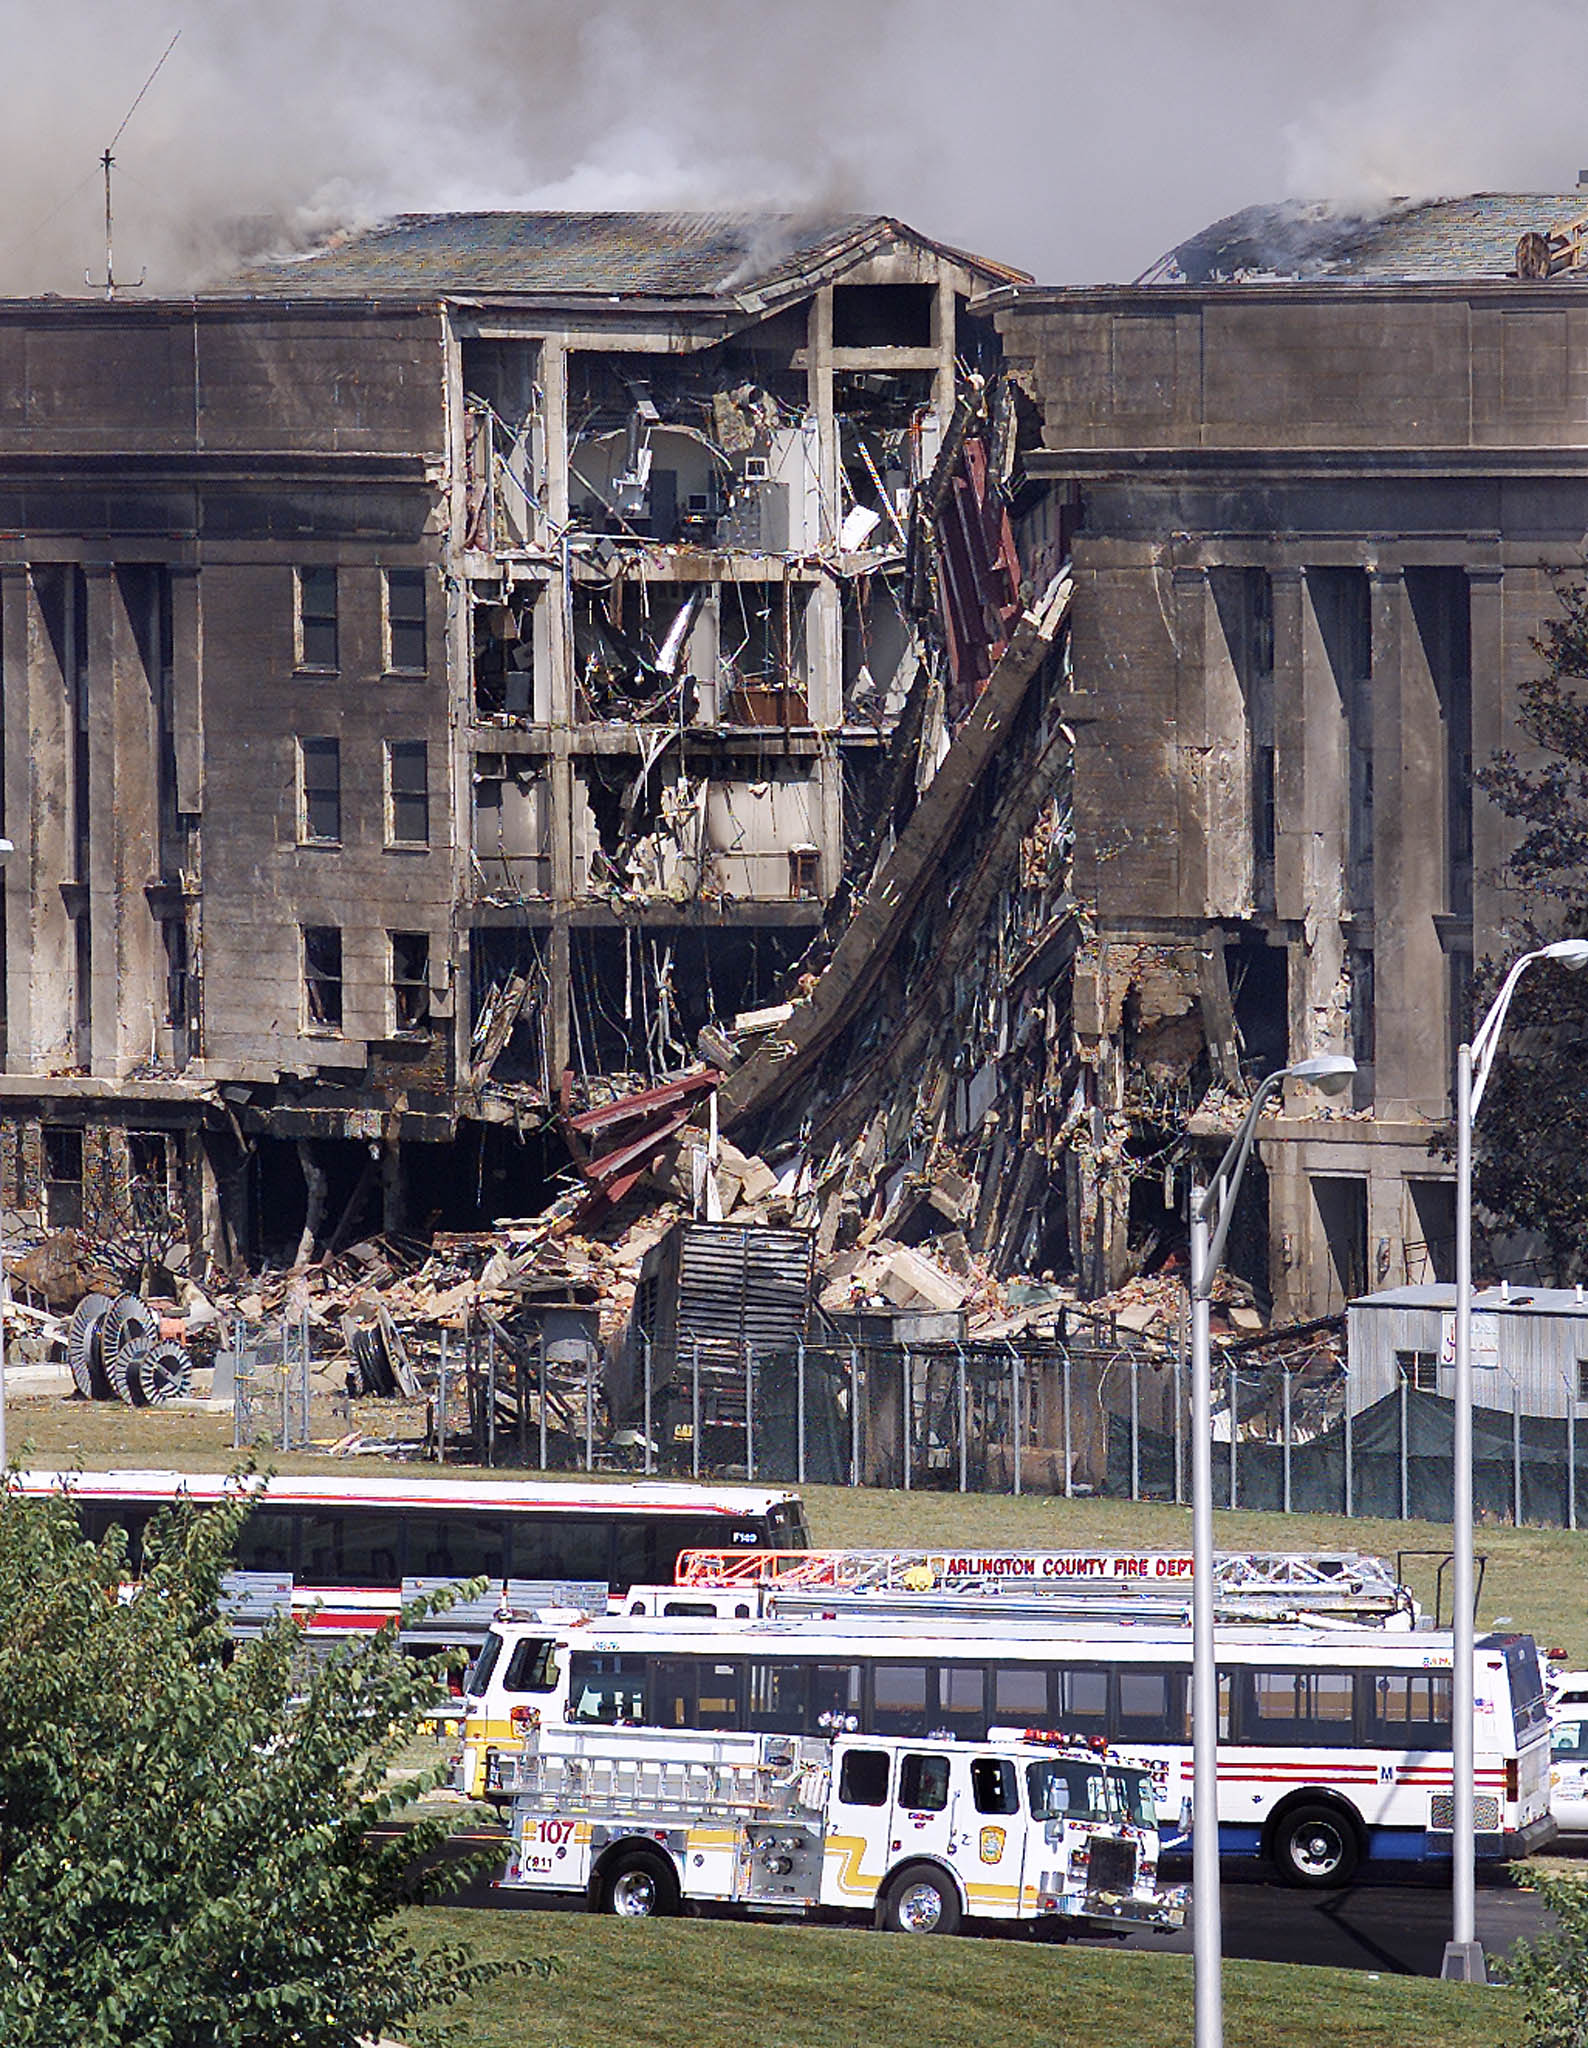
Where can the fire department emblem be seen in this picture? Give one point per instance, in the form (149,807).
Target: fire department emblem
(992,1844)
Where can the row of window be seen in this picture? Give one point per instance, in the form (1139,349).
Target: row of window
(406,780)
(1126,1703)
(382,1546)
(408,979)
(403,646)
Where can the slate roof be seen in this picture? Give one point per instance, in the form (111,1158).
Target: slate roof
(1436,239)
(650,255)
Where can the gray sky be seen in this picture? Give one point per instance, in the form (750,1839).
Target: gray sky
(1077,140)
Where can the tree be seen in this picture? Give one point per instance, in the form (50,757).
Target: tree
(185,1823)
(1551,1973)
(1531,1144)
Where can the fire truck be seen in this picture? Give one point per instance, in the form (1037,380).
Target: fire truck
(917,1833)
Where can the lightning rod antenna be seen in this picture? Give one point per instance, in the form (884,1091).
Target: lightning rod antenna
(108,162)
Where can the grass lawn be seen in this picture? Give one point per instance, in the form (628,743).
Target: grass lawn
(714,1984)
(1537,1577)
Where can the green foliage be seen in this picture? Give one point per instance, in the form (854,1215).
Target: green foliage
(185,1833)
(1551,1974)
(1531,1142)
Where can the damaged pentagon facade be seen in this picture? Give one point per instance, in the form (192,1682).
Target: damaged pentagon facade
(784,718)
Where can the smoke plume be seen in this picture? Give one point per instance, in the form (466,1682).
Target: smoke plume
(1078,140)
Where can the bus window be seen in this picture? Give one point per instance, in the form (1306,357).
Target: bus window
(898,1699)
(1315,1707)
(372,1548)
(1224,1710)
(1529,1707)
(923,1783)
(962,1700)
(719,1693)
(1080,1700)
(1020,1695)
(634,1554)
(458,1546)
(1409,1709)
(993,1785)
(834,1698)
(1149,1707)
(778,1696)
(266,1542)
(605,1688)
(671,1694)
(568,1549)
(532,1666)
(787,1526)
(863,1777)
(320,1540)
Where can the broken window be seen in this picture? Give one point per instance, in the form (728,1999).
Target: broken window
(317,619)
(512,834)
(761,656)
(405,622)
(1342,602)
(320,792)
(504,660)
(410,980)
(322,977)
(407,793)
(1419,1369)
(63,1177)
(173,931)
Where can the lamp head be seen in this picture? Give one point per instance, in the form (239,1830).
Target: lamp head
(1331,1072)
(1566,952)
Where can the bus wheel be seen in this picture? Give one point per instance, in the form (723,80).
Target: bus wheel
(638,1885)
(1315,1846)
(921,1900)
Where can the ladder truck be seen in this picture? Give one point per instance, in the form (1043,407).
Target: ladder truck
(1343,1588)
(917,1833)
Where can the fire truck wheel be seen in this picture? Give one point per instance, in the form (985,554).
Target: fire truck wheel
(921,1900)
(1315,1846)
(639,1885)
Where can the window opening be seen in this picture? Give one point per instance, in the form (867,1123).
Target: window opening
(317,619)
(320,809)
(410,980)
(322,976)
(405,621)
(407,793)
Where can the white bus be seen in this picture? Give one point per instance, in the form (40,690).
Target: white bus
(1334,1742)
(342,1549)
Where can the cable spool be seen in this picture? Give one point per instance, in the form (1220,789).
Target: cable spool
(160,1372)
(82,1347)
(128,1321)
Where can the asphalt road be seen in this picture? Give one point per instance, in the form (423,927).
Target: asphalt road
(1397,1926)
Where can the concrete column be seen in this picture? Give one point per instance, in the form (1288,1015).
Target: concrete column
(1409,873)
(40,958)
(1191,598)
(560,655)
(819,400)
(123,834)
(1490,723)
(943,325)
(1319,850)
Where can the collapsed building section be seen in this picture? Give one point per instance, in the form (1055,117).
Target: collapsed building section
(443,677)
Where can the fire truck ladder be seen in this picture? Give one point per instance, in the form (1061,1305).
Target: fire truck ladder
(654,1787)
(1249,1585)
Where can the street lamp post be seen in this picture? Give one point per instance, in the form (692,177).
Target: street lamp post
(1463,1952)
(6,851)
(1212,1209)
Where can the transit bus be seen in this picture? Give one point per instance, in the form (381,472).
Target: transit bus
(1334,1743)
(341,1549)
